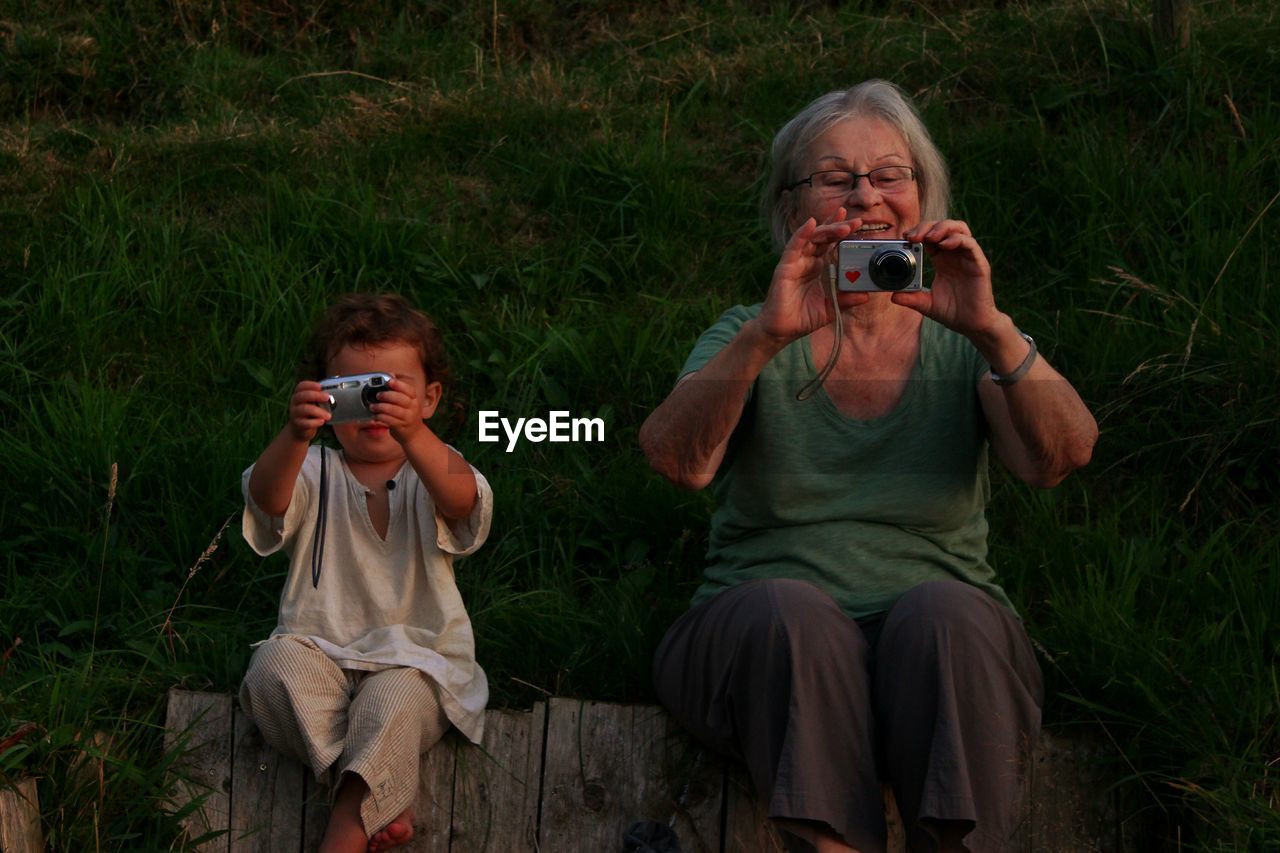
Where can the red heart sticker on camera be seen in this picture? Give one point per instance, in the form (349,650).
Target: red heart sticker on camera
(853,275)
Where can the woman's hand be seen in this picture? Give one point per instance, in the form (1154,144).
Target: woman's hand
(799,299)
(960,297)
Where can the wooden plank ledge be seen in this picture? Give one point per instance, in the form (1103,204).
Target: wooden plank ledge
(569,775)
(20,819)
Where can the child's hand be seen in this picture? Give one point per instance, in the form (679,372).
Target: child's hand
(400,409)
(306,414)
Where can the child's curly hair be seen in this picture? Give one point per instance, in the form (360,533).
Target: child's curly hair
(369,319)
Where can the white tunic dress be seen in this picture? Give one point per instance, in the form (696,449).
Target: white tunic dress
(380,603)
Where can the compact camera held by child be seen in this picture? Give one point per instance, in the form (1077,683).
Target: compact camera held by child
(351,398)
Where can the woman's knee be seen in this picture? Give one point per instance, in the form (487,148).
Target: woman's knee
(795,608)
(958,623)
(762,633)
(767,628)
(953,608)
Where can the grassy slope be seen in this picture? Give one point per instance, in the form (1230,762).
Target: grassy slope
(572,195)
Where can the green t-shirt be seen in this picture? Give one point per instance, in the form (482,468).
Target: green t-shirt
(865,509)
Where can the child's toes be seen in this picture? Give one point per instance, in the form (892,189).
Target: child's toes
(394,834)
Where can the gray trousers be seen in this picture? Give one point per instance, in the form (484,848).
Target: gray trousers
(941,697)
(373,724)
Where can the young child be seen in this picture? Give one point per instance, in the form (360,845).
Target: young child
(373,656)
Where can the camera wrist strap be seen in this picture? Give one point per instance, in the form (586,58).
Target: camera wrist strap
(322,520)
(837,332)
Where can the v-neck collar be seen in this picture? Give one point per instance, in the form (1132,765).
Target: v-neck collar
(358,493)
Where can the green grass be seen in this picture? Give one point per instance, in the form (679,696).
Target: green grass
(572,195)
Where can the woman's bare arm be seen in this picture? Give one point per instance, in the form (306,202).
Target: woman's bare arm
(1039,427)
(685,437)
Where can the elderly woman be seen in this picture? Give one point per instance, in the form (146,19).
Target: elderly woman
(849,628)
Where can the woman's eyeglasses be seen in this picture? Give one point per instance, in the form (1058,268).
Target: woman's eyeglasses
(839,182)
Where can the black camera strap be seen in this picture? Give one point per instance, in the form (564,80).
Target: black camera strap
(322,521)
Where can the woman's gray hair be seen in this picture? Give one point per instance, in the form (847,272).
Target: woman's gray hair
(873,98)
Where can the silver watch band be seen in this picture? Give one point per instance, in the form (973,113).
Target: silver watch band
(1021,370)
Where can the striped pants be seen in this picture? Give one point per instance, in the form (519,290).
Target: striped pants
(372,724)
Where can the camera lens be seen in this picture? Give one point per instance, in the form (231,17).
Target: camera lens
(892,269)
(369,394)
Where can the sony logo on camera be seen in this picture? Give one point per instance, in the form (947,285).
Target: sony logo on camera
(876,265)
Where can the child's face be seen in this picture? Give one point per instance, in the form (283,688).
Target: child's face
(370,441)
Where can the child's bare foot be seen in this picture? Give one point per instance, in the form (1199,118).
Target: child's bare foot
(398,832)
(345,831)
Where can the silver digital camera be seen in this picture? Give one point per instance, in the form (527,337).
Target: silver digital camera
(873,265)
(351,396)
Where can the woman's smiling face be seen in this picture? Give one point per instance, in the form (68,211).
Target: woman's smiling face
(859,145)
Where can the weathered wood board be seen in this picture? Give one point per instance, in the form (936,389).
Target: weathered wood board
(609,766)
(698,804)
(20,819)
(571,776)
(315,811)
(496,787)
(434,807)
(746,826)
(1071,808)
(201,723)
(266,794)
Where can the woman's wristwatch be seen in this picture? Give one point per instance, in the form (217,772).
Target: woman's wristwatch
(1021,370)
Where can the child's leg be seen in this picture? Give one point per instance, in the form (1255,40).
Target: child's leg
(345,832)
(395,717)
(299,700)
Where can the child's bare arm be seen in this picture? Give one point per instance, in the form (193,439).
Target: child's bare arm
(446,475)
(271,483)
